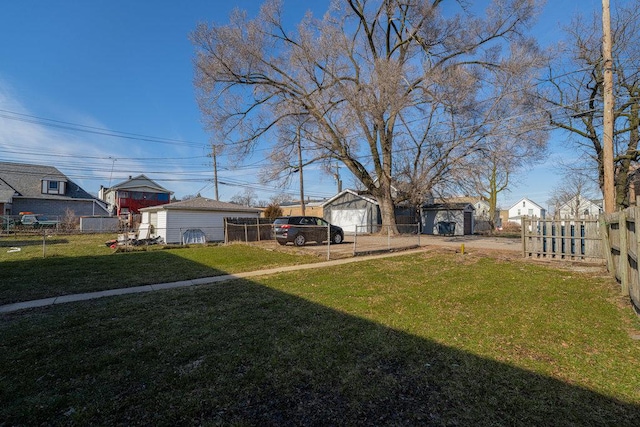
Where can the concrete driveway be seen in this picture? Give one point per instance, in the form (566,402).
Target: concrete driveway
(376,243)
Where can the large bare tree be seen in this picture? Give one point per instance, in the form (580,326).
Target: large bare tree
(574,96)
(389,87)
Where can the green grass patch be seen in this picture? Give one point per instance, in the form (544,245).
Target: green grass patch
(83,263)
(413,340)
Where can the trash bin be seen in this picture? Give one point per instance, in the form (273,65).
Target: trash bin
(446,227)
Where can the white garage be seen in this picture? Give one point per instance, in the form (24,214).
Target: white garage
(352,211)
(198,218)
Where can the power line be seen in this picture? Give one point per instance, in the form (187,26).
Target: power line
(12,115)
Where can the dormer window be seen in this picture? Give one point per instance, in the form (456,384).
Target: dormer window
(53,187)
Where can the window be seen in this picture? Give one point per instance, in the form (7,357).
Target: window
(523,203)
(52,187)
(519,212)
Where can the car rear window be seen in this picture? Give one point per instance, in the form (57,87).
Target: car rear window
(281,221)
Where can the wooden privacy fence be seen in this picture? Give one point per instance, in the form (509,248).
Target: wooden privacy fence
(622,248)
(566,238)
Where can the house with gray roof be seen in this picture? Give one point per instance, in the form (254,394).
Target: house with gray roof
(133,194)
(43,190)
(174,221)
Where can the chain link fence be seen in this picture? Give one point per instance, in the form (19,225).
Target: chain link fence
(382,238)
(256,231)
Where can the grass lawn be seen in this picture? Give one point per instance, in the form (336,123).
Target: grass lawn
(422,339)
(83,263)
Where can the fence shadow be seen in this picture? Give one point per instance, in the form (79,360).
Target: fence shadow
(246,354)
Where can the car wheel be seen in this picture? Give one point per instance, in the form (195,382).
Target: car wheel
(299,240)
(337,238)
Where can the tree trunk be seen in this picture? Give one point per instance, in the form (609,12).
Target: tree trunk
(387,211)
(382,194)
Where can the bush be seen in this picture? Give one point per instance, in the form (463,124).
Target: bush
(272,211)
(511,227)
(69,221)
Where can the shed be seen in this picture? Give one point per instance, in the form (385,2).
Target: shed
(447,218)
(173,221)
(352,211)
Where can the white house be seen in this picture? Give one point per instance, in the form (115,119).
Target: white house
(525,207)
(173,221)
(580,206)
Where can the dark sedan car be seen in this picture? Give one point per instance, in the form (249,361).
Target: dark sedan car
(303,229)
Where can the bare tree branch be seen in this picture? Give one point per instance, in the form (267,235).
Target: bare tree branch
(393,89)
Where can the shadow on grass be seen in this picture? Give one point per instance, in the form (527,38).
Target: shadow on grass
(59,275)
(243,353)
(10,242)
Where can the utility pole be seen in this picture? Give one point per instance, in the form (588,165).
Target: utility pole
(607,137)
(337,176)
(215,169)
(302,207)
(113,163)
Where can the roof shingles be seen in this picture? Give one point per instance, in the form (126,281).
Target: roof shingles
(25,180)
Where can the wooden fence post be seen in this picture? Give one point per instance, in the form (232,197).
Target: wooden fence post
(624,254)
(605,227)
(523,221)
(634,291)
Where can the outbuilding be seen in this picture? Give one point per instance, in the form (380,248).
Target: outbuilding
(447,218)
(353,212)
(199,218)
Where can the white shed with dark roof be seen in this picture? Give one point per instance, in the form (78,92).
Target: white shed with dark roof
(173,221)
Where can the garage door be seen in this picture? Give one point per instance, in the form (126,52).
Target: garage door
(349,219)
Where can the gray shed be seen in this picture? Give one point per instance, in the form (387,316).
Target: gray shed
(178,222)
(447,218)
(351,210)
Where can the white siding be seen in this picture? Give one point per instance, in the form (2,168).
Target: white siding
(171,224)
(582,207)
(161,229)
(210,222)
(525,207)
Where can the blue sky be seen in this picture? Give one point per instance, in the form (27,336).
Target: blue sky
(103,90)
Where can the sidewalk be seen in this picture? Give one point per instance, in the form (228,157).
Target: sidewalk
(9,308)
(470,242)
